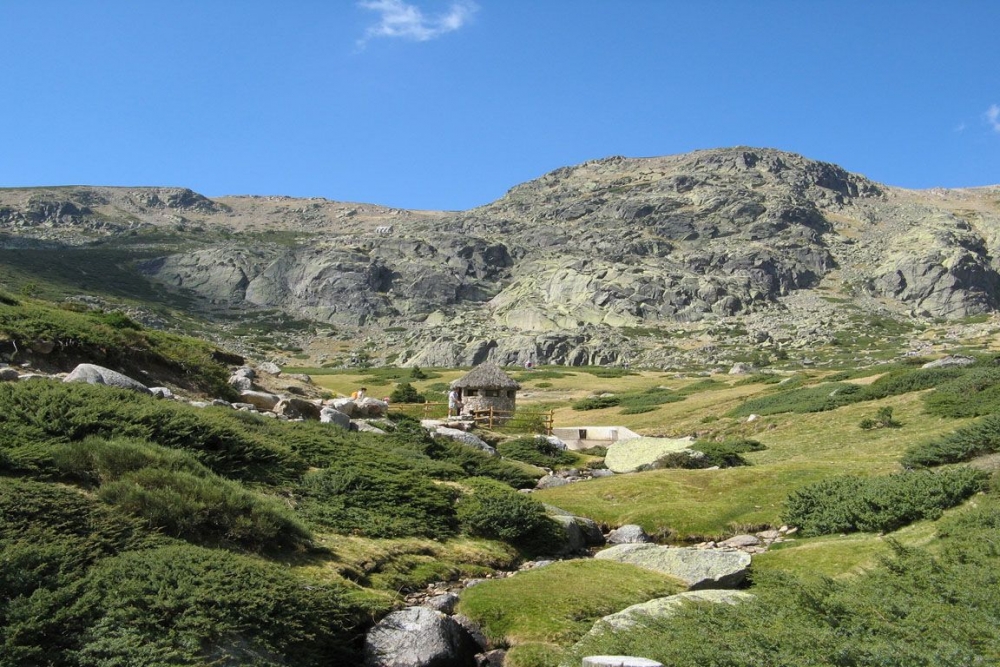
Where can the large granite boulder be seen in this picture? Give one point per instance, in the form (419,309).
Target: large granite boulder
(297,408)
(261,400)
(345,405)
(370,407)
(628,534)
(465,438)
(419,637)
(631,455)
(335,417)
(698,568)
(664,608)
(94,374)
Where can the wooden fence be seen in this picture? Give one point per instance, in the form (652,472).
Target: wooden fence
(518,421)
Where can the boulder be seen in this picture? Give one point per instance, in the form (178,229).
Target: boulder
(297,408)
(444,603)
(740,368)
(94,374)
(335,417)
(240,382)
(579,533)
(465,438)
(371,407)
(261,400)
(631,455)
(365,427)
(550,482)
(345,405)
(629,534)
(664,608)
(698,568)
(8,375)
(740,541)
(419,637)
(950,360)
(161,392)
(270,368)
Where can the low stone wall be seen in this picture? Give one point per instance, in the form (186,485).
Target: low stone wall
(585,437)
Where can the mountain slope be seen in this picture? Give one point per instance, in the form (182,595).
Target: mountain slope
(565,268)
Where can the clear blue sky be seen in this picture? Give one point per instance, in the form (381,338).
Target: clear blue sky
(445,105)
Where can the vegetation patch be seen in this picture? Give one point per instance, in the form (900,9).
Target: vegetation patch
(537,451)
(977,439)
(879,504)
(558,603)
(918,608)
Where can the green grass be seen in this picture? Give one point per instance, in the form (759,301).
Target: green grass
(558,603)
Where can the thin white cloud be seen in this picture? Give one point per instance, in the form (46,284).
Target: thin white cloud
(993,117)
(405,20)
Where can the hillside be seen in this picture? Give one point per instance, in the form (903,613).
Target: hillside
(667,261)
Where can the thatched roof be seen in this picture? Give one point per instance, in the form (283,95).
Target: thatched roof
(485,376)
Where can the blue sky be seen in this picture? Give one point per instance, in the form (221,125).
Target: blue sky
(444,104)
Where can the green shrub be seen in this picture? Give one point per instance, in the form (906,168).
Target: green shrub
(878,504)
(727,453)
(536,451)
(496,511)
(406,393)
(379,502)
(189,606)
(596,403)
(974,393)
(829,396)
(205,509)
(977,439)
(226,441)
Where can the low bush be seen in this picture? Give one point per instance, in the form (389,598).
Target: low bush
(829,396)
(972,394)
(878,504)
(379,502)
(596,403)
(727,453)
(205,510)
(406,393)
(977,439)
(496,511)
(183,605)
(536,451)
(226,441)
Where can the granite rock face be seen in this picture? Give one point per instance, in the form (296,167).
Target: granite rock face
(566,268)
(698,568)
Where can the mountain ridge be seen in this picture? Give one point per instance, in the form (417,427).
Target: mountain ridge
(565,268)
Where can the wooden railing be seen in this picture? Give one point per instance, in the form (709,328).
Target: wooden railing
(519,420)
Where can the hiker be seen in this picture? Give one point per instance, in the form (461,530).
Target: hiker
(359,394)
(454,403)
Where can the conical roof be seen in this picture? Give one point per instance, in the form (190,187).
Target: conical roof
(485,376)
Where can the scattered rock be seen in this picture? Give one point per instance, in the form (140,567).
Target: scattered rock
(551,481)
(950,360)
(628,534)
(296,408)
(698,568)
(94,374)
(335,417)
(464,438)
(270,368)
(740,541)
(664,607)
(419,637)
(261,400)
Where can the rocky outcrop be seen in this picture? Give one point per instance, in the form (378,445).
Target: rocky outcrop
(665,607)
(698,568)
(591,264)
(94,374)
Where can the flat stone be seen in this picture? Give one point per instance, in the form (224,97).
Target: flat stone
(698,568)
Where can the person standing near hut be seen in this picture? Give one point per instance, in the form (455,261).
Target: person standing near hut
(454,403)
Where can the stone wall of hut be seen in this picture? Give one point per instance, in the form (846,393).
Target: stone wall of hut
(501,400)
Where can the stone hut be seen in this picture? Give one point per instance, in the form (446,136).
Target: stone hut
(485,387)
